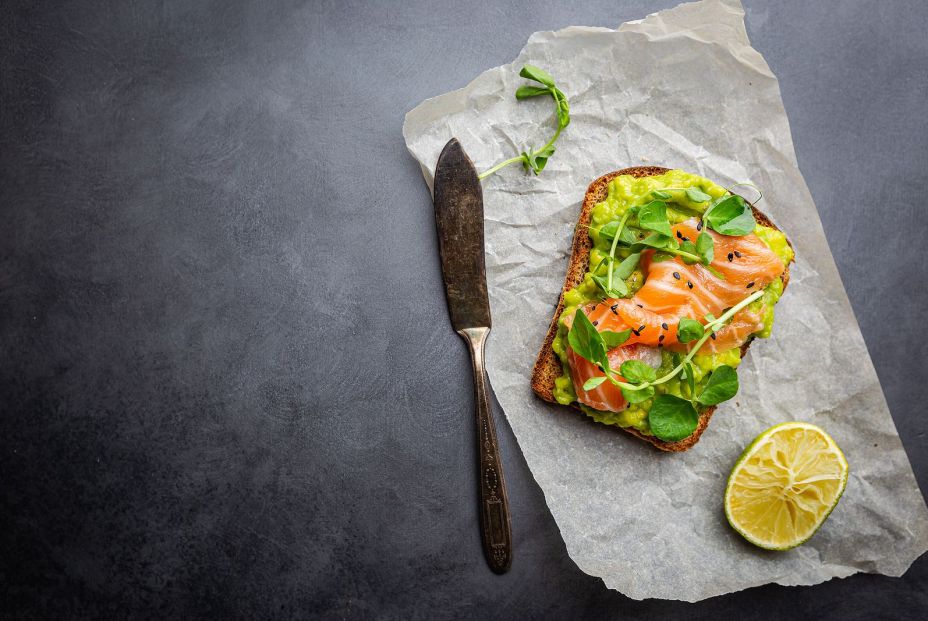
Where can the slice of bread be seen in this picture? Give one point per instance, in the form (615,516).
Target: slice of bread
(548,366)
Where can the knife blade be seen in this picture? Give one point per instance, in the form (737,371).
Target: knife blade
(458,201)
(459,215)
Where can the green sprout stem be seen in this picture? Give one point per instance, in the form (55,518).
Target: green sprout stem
(681,253)
(519,158)
(615,241)
(760,193)
(500,166)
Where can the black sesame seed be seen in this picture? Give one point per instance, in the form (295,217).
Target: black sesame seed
(685,238)
(641,328)
(712,336)
(635,332)
(676,275)
(639,305)
(699,225)
(660,338)
(613,309)
(679,235)
(689,284)
(665,326)
(596,323)
(737,254)
(730,256)
(594,308)
(750,284)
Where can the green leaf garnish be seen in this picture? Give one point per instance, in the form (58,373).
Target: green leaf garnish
(653,217)
(637,372)
(637,396)
(730,216)
(531,72)
(535,160)
(688,252)
(608,231)
(690,378)
(655,240)
(672,418)
(593,382)
(527,91)
(618,288)
(563,108)
(585,339)
(722,386)
(689,330)
(697,196)
(614,339)
(705,248)
(661,195)
(627,266)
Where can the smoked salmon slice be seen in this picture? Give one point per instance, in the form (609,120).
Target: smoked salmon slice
(607,396)
(673,289)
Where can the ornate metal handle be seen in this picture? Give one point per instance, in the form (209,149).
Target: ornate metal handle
(495,525)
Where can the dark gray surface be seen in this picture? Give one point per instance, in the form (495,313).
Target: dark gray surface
(228,386)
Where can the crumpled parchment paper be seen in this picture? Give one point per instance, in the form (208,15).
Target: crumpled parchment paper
(682,88)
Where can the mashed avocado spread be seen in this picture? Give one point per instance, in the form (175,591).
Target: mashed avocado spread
(624,192)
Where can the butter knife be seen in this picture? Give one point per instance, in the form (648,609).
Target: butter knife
(458,199)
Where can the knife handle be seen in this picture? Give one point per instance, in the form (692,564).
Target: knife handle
(495,525)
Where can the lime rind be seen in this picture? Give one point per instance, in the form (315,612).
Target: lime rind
(751,450)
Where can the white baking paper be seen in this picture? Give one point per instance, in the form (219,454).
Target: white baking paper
(682,88)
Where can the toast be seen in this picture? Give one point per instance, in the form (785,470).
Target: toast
(548,367)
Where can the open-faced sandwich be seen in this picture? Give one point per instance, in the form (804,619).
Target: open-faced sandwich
(670,279)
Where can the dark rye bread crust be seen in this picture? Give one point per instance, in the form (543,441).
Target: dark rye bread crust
(548,366)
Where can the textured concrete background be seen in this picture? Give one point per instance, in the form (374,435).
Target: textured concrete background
(228,387)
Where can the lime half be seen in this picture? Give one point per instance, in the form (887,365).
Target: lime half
(785,485)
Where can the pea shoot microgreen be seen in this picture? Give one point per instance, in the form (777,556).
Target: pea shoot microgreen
(672,418)
(685,249)
(722,386)
(689,330)
(730,215)
(531,159)
(653,217)
(705,247)
(636,372)
(695,195)
(613,284)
